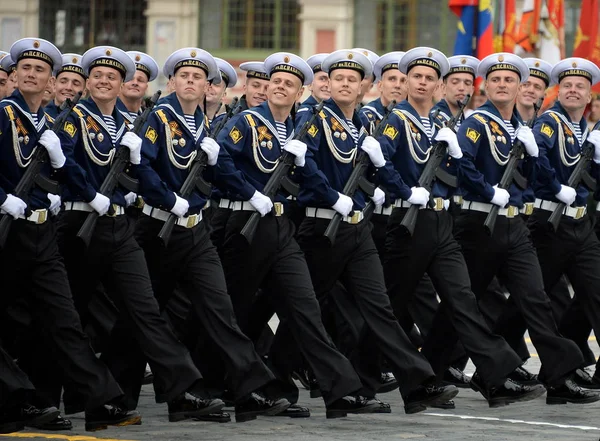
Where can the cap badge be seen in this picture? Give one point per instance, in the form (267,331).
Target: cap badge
(501,58)
(430,54)
(74,59)
(138,58)
(463,60)
(350,56)
(108,52)
(574,64)
(193,54)
(286,59)
(36,44)
(537,64)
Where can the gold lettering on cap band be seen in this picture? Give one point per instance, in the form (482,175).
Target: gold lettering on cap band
(37,55)
(288,68)
(225,77)
(540,74)
(71,68)
(256,74)
(575,73)
(388,66)
(461,69)
(353,65)
(191,63)
(317,68)
(503,66)
(109,62)
(425,62)
(143,68)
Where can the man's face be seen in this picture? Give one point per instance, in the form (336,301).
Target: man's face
(137,87)
(458,85)
(595,110)
(501,86)
(68,84)
(104,83)
(365,86)
(190,83)
(531,91)
(393,86)
(423,81)
(284,89)
(345,86)
(256,91)
(215,92)
(48,92)
(320,86)
(33,75)
(12,84)
(574,93)
(3,83)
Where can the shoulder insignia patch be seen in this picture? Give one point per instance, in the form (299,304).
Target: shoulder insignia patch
(78,112)
(250,120)
(547,130)
(390,131)
(162,116)
(473,134)
(555,116)
(151,134)
(480,118)
(399,114)
(70,128)
(236,135)
(10,112)
(312,131)
(49,118)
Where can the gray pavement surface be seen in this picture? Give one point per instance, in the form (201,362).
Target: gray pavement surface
(471,420)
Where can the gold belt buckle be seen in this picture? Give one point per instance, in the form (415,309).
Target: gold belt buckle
(278,208)
(43,215)
(439,204)
(580,212)
(512,211)
(355,218)
(192,221)
(528,208)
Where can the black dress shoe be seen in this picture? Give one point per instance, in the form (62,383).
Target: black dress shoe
(295,411)
(523,376)
(583,379)
(509,392)
(57,424)
(388,383)
(32,416)
(257,404)
(456,377)
(351,404)
(217,417)
(447,405)
(189,405)
(570,392)
(110,415)
(423,396)
(383,407)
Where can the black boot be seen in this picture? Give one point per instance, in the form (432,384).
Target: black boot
(32,416)
(295,411)
(509,392)
(523,376)
(428,395)
(456,377)
(191,405)
(351,404)
(57,424)
(110,415)
(570,392)
(583,379)
(388,383)
(257,404)
(217,417)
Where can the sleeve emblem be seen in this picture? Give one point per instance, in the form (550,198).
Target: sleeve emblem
(473,135)
(70,128)
(236,135)
(390,131)
(547,130)
(151,134)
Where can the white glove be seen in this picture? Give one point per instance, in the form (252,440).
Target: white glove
(566,194)
(343,205)
(181,206)
(134,144)
(447,135)
(525,135)
(298,149)
(419,196)
(372,147)
(501,197)
(101,204)
(130,198)
(261,203)
(14,206)
(54,203)
(378,196)
(211,148)
(594,138)
(52,144)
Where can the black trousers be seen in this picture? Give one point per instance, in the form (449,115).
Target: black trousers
(15,387)
(275,263)
(353,260)
(433,249)
(573,250)
(31,261)
(191,263)
(510,255)
(115,260)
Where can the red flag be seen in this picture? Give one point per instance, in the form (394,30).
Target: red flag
(509,35)
(527,35)
(587,39)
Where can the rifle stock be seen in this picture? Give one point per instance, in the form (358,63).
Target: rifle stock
(438,153)
(275,181)
(115,174)
(31,176)
(194,178)
(516,154)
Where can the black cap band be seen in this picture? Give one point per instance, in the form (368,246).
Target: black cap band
(71,68)
(191,63)
(37,55)
(143,68)
(427,62)
(575,73)
(109,62)
(503,66)
(461,69)
(258,75)
(352,65)
(539,74)
(288,68)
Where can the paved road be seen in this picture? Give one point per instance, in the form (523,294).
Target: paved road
(473,420)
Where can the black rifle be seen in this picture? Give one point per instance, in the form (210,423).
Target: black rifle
(508,177)
(116,175)
(358,178)
(431,170)
(194,180)
(579,174)
(279,177)
(32,176)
